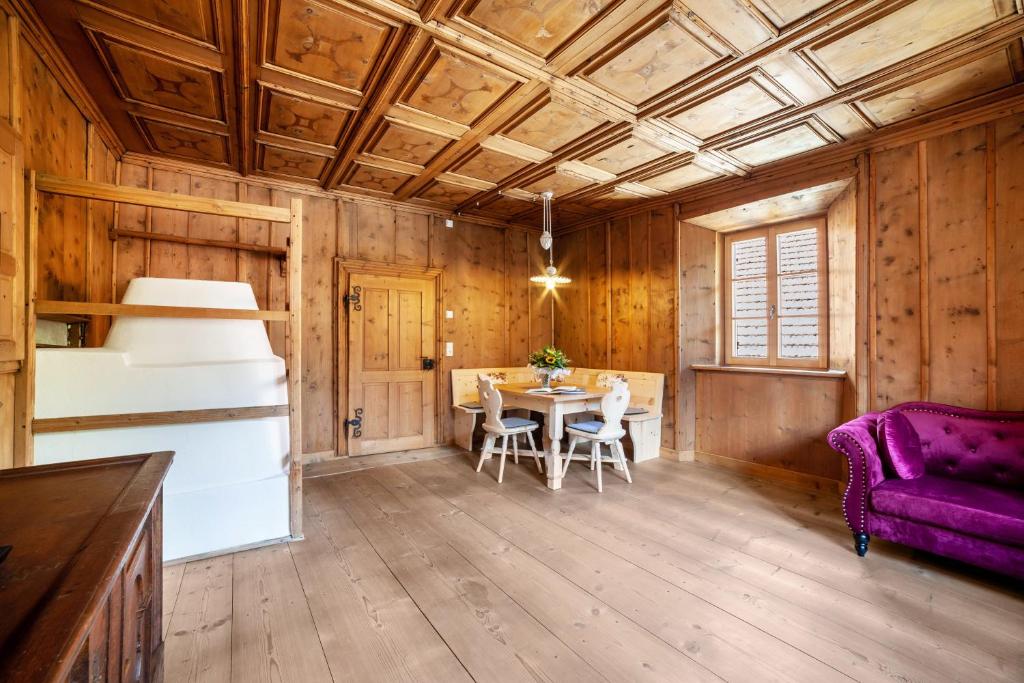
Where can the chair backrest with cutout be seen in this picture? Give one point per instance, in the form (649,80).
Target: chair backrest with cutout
(490,399)
(613,407)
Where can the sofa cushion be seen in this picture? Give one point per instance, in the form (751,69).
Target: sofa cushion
(976,509)
(975,445)
(901,445)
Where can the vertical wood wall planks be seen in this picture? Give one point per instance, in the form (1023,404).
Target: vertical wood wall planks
(698,316)
(1009,263)
(897,339)
(956,292)
(597,296)
(319,305)
(167,259)
(131,253)
(662,311)
(842,292)
(618,288)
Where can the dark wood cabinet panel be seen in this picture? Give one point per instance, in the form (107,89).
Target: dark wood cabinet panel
(81,587)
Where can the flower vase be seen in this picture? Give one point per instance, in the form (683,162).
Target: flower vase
(545,380)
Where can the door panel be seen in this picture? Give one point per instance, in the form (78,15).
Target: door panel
(390,332)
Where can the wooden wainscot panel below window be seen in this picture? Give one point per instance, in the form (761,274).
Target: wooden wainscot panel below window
(770,424)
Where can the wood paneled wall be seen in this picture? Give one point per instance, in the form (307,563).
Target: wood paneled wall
(620,311)
(947,269)
(74,252)
(926,301)
(769,424)
(498,315)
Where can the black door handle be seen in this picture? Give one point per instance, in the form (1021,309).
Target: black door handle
(428,363)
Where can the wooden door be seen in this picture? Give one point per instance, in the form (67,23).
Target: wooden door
(391,364)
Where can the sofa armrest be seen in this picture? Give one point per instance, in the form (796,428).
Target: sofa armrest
(858,441)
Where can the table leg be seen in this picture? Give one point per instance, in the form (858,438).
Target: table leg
(553,447)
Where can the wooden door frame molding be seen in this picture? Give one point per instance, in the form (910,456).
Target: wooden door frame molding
(345,268)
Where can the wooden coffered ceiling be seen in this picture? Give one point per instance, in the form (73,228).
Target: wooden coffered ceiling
(479,105)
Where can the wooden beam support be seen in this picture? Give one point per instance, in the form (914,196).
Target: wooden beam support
(294,357)
(44,308)
(181,239)
(52,425)
(164,200)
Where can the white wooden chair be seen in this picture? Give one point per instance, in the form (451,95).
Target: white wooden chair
(609,431)
(495,425)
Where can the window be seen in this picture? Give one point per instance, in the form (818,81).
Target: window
(775,295)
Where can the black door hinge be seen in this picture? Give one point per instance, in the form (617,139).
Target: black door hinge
(356,423)
(352,299)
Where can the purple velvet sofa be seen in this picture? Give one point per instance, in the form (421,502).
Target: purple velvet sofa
(942,479)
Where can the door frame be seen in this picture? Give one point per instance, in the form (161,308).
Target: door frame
(345,269)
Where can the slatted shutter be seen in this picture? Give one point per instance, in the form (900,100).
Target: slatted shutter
(775,281)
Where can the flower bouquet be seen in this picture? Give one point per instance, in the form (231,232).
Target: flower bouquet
(549,364)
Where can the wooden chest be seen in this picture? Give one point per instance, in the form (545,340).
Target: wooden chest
(81,588)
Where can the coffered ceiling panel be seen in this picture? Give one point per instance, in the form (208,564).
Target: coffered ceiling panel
(325,41)
(980,76)
(287,162)
(550,125)
(363,177)
(150,78)
(480,105)
(678,178)
(186,143)
(659,55)
(558,182)
(455,87)
(538,27)
(784,12)
(507,206)
(901,34)
(747,101)
(733,22)
(486,164)
(625,155)
(447,193)
(189,18)
(404,143)
(795,139)
(302,119)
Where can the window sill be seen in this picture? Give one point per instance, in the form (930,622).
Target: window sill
(761,370)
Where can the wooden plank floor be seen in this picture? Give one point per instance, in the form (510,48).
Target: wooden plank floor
(430,572)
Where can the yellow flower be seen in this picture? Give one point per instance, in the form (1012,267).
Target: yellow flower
(549,359)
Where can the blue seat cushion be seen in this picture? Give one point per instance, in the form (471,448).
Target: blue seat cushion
(474,405)
(592,426)
(635,411)
(516,422)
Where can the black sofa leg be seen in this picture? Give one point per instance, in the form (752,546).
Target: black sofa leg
(860,544)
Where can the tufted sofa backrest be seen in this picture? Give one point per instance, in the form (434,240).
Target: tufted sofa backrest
(974,445)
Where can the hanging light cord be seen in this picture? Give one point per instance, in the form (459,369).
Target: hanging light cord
(547,228)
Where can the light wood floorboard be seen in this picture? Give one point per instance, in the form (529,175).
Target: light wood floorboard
(428,571)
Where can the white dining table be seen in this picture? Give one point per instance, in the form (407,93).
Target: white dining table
(556,407)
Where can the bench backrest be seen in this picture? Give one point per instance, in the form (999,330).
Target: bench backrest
(646,389)
(464,381)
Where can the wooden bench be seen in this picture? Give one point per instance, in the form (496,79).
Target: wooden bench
(644,417)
